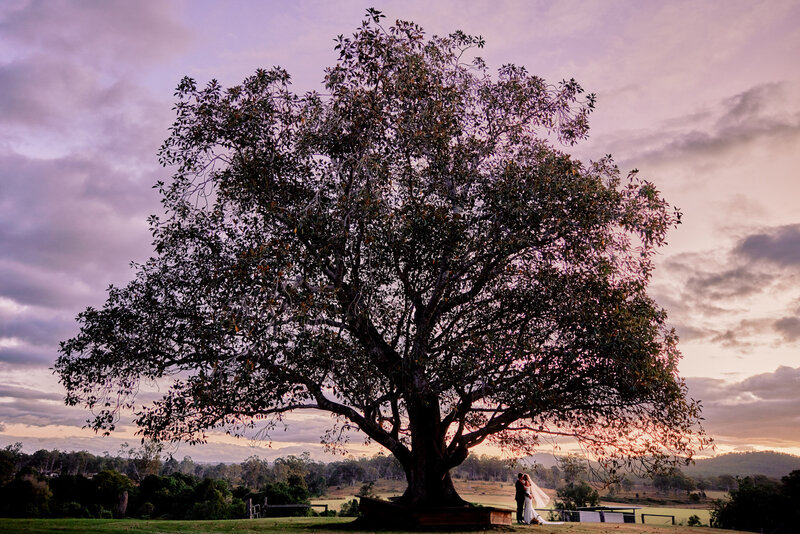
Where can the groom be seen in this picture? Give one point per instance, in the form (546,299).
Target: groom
(519,496)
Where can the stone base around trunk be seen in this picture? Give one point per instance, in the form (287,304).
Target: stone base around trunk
(384,514)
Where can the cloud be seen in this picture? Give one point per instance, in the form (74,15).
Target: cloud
(53,108)
(761,407)
(78,157)
(27,393)
(782,384)
(789,327)
(42,90)
(39,286)
(705,296)
(712,295)
(767,112)
(53,253)
(29,414)
(735,282)
(758,109)
(206,453)
(27,355)
(40,411)
(110,33)
(36,326)
(741,335)
(50,209)
(77,161)
(30,406)
(73,80)
(779,245)
(689,333)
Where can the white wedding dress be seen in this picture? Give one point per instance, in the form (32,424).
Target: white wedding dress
(528,513)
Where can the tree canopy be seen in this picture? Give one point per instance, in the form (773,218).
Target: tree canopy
(409,251)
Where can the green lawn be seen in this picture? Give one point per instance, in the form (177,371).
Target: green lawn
(295,525)
(681,514)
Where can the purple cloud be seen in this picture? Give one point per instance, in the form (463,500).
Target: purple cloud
(782,384)
(765,112)
(26,393)
(711,301)
(112,33)
(779,245)
(40,412)
(789,327)
(50,209)
(735,282)
(26,356)
(761,407)
(36,327)
(40,91)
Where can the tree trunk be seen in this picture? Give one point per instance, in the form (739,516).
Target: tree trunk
(428,469)
(430,488)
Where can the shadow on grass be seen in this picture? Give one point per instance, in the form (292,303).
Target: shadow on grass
(361,524)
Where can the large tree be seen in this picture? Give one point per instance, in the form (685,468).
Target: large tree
(408,251)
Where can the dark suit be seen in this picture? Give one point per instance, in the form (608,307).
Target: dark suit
(519,496)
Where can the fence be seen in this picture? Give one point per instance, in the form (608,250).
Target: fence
(672,517)
(255,511)
(599,514)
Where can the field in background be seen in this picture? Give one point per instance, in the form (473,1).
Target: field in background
(501,494)
(479,492)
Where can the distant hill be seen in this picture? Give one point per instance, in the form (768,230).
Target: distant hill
(542,459)
(771,464)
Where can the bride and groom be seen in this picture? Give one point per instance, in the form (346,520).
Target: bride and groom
(525,493)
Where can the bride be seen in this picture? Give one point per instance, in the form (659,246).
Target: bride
(529,515)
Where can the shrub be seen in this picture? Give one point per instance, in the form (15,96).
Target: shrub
(368,490)
(25,496)
(694,521)
(171,496)
(577,496)
(349,509)
(146,510)
(68,489)
(212,500)
(111,491)
(283,493)
(72,509)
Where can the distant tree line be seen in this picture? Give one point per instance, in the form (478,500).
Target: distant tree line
(138,482)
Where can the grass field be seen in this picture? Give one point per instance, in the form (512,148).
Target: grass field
(332,525)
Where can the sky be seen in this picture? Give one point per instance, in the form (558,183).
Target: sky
(703,97)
